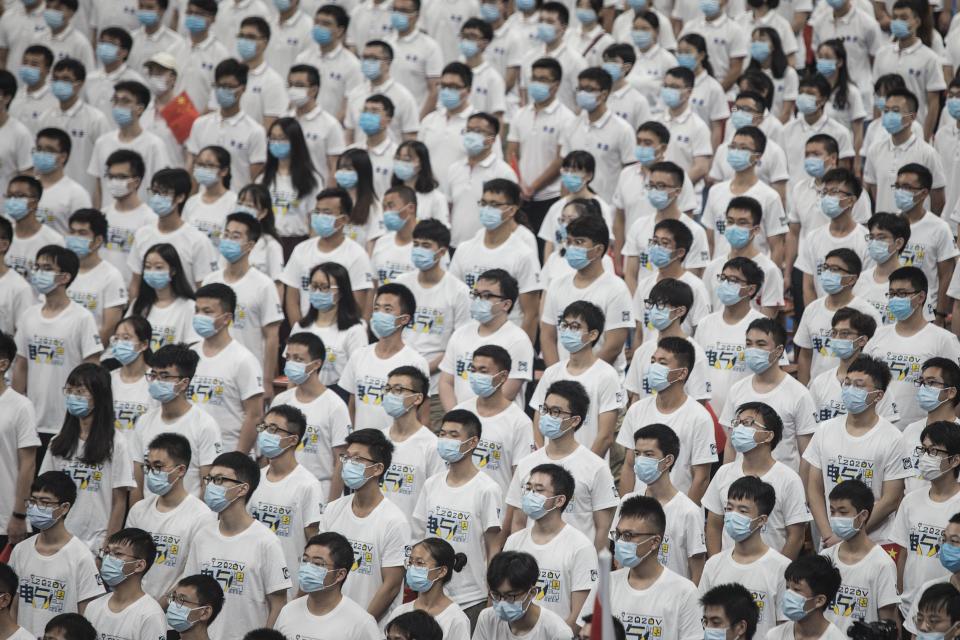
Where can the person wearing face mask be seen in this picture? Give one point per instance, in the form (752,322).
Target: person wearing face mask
(322,132)
(367,518)
(564,408)
(378,112)
(937,395)
(65,34)
(417,56)
(323,570)
(755,432)
(641,200)
(33,73)
(167,300)
(53,554)
(808,578)
(29,234)
(355,175)
(113,50)
(99,286)
(860,445)
(813,94)
(691,421)
(625,100)
(430,567)
(292,27)
(750,110)
(338,65)
(669,245)
(171,110)
(377,61)
(415,457)
(16,294)
(577,171)
(247,138)
(487,91)
(15,154)
(170,512)
(743,220)
(927,510)
(935,616)
(40,371)
(236,543)
(265,97)
(775,56)
(10,584)
(169,189)
(154,34)
(567,554)
(205,51)
(589,36)
(555,266)
(644,590)
(493,295)
(839,272)
(948,135)
(727,53)
(552,42)
(465,496)
(127,213)
(257,320)
(448,121)
(127,611)
(512,579)
(729,613)
(682,550)
(507,431)
(869,591)
(366,374)
(770,384)
(208,208)
(171,369)
(289,499)
(580,329)
(912,338)
(690,144)
(749,561)
(227,381)
(61,195)
(84,122)
(943,584)
(191,594)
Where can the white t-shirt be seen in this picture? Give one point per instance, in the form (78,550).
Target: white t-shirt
(669,609)
(347,621)
(18,430)
(365,376)
(790,400)
(172,532)
(549,626)
(196,425)
(594,489)
(209,217)
(865,587)
(414,460)
(121,230)
(130,401)
(258,305)
(307,255)
(911,447)
(762,577)
(16,294)
(918,527)
(222,383)
(814,330)
(504,439)
(567,562)
(88,517)
(696,386)
(51,585)
(461,516)
(98,289)
(786,631)
(248,565)
(341,346)
(452,620)
(466,338)
(52,348)
(825,390)
(328,423)
(172,323)
(139,620)
(872,458)
(603,387)
(723,345)
(693,425)
(684,535)
(773,222)
(390,259)
(287,506)
(197,254)
(379,541)
(789,509)
(23,251)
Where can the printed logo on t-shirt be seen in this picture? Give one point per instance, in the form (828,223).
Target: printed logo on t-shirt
(276,516)
(642,626)
(363,554)
(913,255)
(370,389)
(87,299)
(168,549)
(843,468)
(119,239)
(240,317)
(488,455)
(229,573)
(161,336)
(310,440)
(726,356)
(549,586)
(206,390)
(399,478)
(762,600)
(126,413)
(925,539)
(46,350)
(903,366)
(450,524)
(40,592)
(663,554)
(820,340)
(87,477)
(428,321)
(852,602)
(388,271)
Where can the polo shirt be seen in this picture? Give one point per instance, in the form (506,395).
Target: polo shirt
(288,40)
(571,62)
(145,45)
(31,105)
(885,158)
(773,222)
(84,124)
(339,71)
(442,133)
(708,99)
(631,105)
(537,133)
(265,96)
(464,188)
(230,13)
(416,59)
(798,131)
(369,20)
(920,67)
(239,134)
(861,38)
(726,41)
(488,93)
(689,137)
(381,157)
(406,115)
(611,142)
(196,75)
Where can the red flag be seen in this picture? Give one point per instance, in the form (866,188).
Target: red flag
(601,624)
(5,554)
(180,114)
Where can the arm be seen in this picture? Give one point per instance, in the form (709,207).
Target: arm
(20,375)
(577,598)
(26,465)
(809,289)
(804,360)
(392,581)
(252,409)
(118,509)
(945,274)
(736,66)
(492,542)
(518,521)
(275,602)
(937,200)
(716,133)
(352,408)
(701,478)
(136,493)
(954,323)
(714,533)
(111,317)
(511,78)
(794,542)
(930,122)
(271,347)
(336,482)
(628,480)
(548,344)
(97,195)
(777,249)
(818,507)
(255,170)
(780,186)
(602,519)
(619,229)
(291,304)
(710,239)
(606,423)
(695,564)
(791,244)
(512,387)
(430,103)
(890,496)
(872,190)
(133,289)
(699,169)
(786,111)
(901,564)
(530,306)
(630,271)
(537,436)
(613,342)
(448,398)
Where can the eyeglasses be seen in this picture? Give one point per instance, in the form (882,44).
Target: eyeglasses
(488,203)
(832,268)
(162,376)
(837,193)
(928,382)
(76,391)
(160,192)
(844,334)
(272,429)
(484,295)
(747,422)
(34,502)
(513,596)
(731,279)
(103,553)
(659,186)
(173,596)
(571,326)
(156,468)
(323,288)
(934,451)
(553,412)
(659,304)
(344,459)
(900,294)
(398,389)
(219,480)
(629,536)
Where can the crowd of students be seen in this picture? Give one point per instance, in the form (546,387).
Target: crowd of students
(380,318)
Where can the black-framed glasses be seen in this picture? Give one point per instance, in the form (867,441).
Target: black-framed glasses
(484,295)
(553,412)
(272,429)
(219,480)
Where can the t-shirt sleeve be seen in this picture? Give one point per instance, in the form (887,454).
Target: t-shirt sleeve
(275,100)
(900,529)
(275,575)
(115,293)
(711,498)
(611,395)
(209,442)
(26,426)
(515,489)
(249,378)
(490,501)
(793,504)
(603,490)
(121,466)
(694,527)
(689,615)
(805,413)
(585,567)
(89,582)
(896,466)
(522,353)
(396,538)
(348,379)
(89,336)
(313,503)
(812,453)
(258,147)
(154,626)
(887,585)
(802,337)
(704,441)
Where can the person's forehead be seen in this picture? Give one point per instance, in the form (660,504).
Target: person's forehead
(208,302)
(275,418)
(714,611)
(451,78)
(647,444)
(555,400)
(836,263)
(159,455)
(318,550)
(43,494)
(757,334)
(372,105)
(662,353)
(661,176)
(227,472)
(454,427)
(749,413)
(744,140)
(541,478)
(401,380)
(908,177)
(388,300)
(932,372)
(733,212)
(236,227)
(328,203)
(816,146)
(490,286)
(478,123)
(355,448)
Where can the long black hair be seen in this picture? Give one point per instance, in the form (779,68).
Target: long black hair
(98,447)
(696,41)
(359,161)
(263,202)
(147,297)
(843,74)
(223,159)
(348,314)
(778,61)
(302,172)
(142,329)
(426,182)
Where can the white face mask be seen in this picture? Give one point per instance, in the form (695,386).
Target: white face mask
(118,188)
(159,84)
(298,95)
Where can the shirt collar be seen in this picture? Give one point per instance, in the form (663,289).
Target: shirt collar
(119,71)
(410,37)
(232,120)
(258,71)
(381,148)
(912,48)
(818,125)
(336,51)
(204,44)
(488,161)
(683,117)
(719,23)
(650,53)
(72,111)
(599,124)
(906,145)
(383,88)
(314,113)
(63,34)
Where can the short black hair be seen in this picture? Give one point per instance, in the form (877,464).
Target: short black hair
(598,75)
(421,383)
(176,355)
(749,269)
(896,225)
(682,350)
(645,508)
(666,438)
(73,66)
(503,187)
(338,193)
(140,541)
(663,135)
(459,69)
(673,292)
(434,230)
(335,11)
(119,34)
(516,567)
(818,572)
(128,156)
(756,490)
(383,101)
(755,134)
(561,479)
(829,143)
(594,228)
(464,418)
(944,434)
(845,177)
(590,313)
(408,303)
(296,421)
(949,370)
(914,275)
(682,236)
(563,14)
(176,446)
(231,68)
(312,73)
(857,493)
(243,465)
(770,327)
(575,395)
(746,203)
(73,625)
(499,355)
(486,117)
(873,367)
(339,547)
(258,23)
(771,419)
(65,260)
(209,591)
(862,323)
(417,623)
(817,82)
(92,218)
(314,344)
(222,293)
(8,346)
(551,65)
(509,289)
(64,143)
(254,228)
(849,258)
(906,94)
(140,93)
(682,74)
(937,597)
(381,449)
(176,180)
(58,484)
(264,633)
(737,603)
(9,583)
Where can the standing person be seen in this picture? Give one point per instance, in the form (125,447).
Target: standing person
(53,556)
(808,578)
(200,590)
(355,174)
(208,208)
(462,506)
(413,167)
(127,213)
(62,195)
(938,377)
(167,300)
(245,556)
(338,66)
(23,194)
(267,254)
(94,454)
(130,345)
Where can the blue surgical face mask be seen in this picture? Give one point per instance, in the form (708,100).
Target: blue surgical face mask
(158,482)
(660,256)
(737,526)
(178,617)
(246,48)
(814,166)
(404,170)
(879,251)
(312,578)
(645,155)
(510,611)
(625,553)
(205,326)
(950,557)
(760,50)
(642,38)
(551,427)
(206,176)
(903,199)
(450,98)
(535,505)
(195,24)
(586,16)
(323,224)
(660,317)
(353,474)
(739,159)
(658,376)
(901,308)
(806,103)
(107,52)
(587,100)
(577,257)
(758,360)
(62,90)
(710,8)
(614,69)
(148,18)
(156,279)
(370,68)
(321,35)
(53,18)
(231,250)
(78,406)
(123,116)
(43,281)
(124,351)
(394,404)
(740,119)
(687,60)
(481,310)
(449,450)
(830,206)
(418,578)
(346,178)
(215,497)
(296,372)
(423,258)
(16,208)
(111,568)
(742,438)
(370,123)
(572,182)
(226,98)
(279,149)
(843,528)
(929,398)
(659,199)
(162,391)
(162,205)
(571,340)
(41,518)
(953,108)
(729,293)
(892,121)
(854,399)
(79,245)
(392,220)
(481,384)
(671,97)
(831,282)
(491,217)
(473,143)
(468,48)
(647,469)
(794,605)
(826,67)
(383,324)
(546,32)
(841,347)
(899,29)
(737,236)
(399,21)
(711,633)
(489,11)
(29,75)
(539,91)
(270,444)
